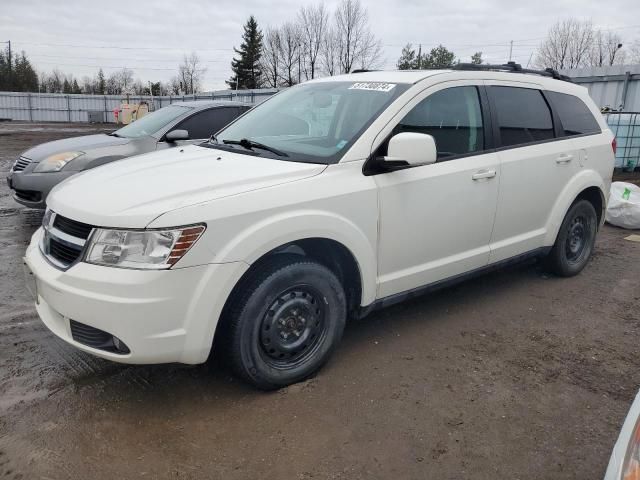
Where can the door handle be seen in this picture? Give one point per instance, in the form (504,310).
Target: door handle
(483,174)
(564,158)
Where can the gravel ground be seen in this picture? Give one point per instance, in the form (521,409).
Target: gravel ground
(514,375)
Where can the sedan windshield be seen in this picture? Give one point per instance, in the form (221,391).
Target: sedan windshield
(313,122)
(151,123)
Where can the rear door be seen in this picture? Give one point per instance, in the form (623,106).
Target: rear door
(535,165)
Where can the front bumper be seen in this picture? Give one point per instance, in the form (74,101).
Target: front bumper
(162,316)
(31,189)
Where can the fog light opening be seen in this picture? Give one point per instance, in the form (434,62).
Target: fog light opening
(119,346)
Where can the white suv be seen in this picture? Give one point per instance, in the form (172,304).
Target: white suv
(330,199)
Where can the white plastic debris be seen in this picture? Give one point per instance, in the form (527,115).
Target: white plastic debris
(624,205)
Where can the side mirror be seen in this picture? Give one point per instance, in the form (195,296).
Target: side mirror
(412,149)
(175,135)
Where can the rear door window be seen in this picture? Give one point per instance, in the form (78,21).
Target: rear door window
(575,116)
(523,115)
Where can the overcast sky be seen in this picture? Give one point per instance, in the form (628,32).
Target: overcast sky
(151,37)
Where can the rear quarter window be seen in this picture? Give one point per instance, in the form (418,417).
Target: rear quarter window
(575,116)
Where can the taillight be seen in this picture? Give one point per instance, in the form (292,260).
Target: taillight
(614,145)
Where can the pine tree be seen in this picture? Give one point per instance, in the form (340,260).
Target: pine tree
(101,83)
(75,88)
(25,78)
(439,57)
(66,86)
(407,60)
(476,58)
(246,68)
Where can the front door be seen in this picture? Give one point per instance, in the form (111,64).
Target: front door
(436,220)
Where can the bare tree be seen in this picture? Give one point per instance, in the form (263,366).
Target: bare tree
(329,53)
(313,23)
(357,46)
(290,54)
(606,49)
(270,60)
(567,45)
(190,73)
(635,52)
(88,84)
(173,86)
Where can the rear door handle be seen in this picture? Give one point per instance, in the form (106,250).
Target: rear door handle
(483,174)
(564,158)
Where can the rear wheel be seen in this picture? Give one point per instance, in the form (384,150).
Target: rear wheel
(286,321)
(575,241)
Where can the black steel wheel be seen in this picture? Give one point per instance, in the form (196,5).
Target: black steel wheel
(284,322)
(575,241)
(293,327)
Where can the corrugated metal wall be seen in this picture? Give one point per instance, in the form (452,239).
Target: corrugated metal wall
(610,86)
(50,107)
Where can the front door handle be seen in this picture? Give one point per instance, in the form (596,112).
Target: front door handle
(564,158)
(483,174)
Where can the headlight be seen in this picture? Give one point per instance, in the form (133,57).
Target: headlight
(144,249)
(631,465)
(55,163)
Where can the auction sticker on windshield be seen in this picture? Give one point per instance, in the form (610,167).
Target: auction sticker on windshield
(375,86)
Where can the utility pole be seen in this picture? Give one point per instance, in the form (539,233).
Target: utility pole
(510,49)
(419,56)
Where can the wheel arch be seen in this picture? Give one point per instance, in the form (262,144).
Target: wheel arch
(586,185)
(328,252)
(324,236)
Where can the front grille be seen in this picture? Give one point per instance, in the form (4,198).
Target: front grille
(94,338)
(21,164)
(71,227)
(63,253)
(29,195)
(64,239)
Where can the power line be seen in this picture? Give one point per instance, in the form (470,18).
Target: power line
(119,58)
(118,47)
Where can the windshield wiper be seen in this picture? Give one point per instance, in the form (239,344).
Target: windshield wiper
(250,145)
(113,134)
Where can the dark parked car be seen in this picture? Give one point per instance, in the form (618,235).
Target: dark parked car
(40,168)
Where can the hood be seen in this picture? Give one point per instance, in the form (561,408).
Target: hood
(83,143)
(131,193)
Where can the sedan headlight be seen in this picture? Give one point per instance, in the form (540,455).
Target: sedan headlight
(142,249)
(55,163)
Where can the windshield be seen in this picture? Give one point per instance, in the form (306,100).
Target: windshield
(314,122)
(151,123)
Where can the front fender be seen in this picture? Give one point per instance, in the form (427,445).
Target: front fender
(581,181)
(260,238)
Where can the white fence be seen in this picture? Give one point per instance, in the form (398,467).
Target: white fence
(57,107)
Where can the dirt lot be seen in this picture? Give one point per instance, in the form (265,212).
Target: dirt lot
(514,375)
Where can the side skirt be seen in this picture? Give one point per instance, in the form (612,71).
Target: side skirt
(447,282)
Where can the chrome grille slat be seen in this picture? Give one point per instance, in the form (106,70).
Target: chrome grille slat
(64,240)
(21,164)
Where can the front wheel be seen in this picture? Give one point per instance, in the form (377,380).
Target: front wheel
(285,322)
(575,241)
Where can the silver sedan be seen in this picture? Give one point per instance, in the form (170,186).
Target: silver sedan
(40,168)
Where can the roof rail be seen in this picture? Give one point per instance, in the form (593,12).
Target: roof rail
(362,70)
(512,67)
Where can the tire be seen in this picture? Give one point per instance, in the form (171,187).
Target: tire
(285,322)
(575,241)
